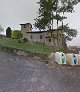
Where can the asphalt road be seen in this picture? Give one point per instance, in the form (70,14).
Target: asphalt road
(25,74)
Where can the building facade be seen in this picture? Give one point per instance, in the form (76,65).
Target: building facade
(54,38)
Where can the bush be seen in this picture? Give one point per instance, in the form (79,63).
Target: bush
(17,34)
(25,40)
(20,41)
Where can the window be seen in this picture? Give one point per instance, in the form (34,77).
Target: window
(24,26)
(31,37)
(49,40)
(40,36)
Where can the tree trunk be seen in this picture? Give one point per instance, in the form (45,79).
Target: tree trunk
(62,20)
(52,23)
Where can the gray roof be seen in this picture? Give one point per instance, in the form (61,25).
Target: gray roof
(37,32)
(26,24)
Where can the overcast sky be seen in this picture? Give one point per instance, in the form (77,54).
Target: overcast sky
(15,12)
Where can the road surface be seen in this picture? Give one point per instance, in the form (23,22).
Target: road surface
(25,74)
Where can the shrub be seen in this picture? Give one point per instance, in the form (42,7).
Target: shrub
(25,40)
(17,34)
(8,32)
(20,41)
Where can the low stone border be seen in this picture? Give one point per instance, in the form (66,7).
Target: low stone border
(21,52)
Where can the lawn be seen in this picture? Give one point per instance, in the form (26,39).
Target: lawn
(28,46)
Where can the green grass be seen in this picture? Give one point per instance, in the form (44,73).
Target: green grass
(31,47)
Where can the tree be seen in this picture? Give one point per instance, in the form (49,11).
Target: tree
(51,10)
(69,32)
(17,34)
(67,6)
(1,29)
(8,32)
(44,17)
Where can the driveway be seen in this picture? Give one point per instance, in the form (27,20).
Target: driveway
(25,74)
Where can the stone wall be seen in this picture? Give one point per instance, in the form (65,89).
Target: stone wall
(57,41)
(35,37)
(21,52)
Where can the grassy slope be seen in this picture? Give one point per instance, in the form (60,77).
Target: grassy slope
(32,47)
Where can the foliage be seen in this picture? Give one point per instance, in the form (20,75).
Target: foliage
(52,9)
(30,47)
(70,32)
(17,34)
(8,32)
(20,41)
(25,40)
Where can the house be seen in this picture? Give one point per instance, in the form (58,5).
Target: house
(54,37)
(74,48)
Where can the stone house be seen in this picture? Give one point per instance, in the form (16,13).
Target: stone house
(56,40)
